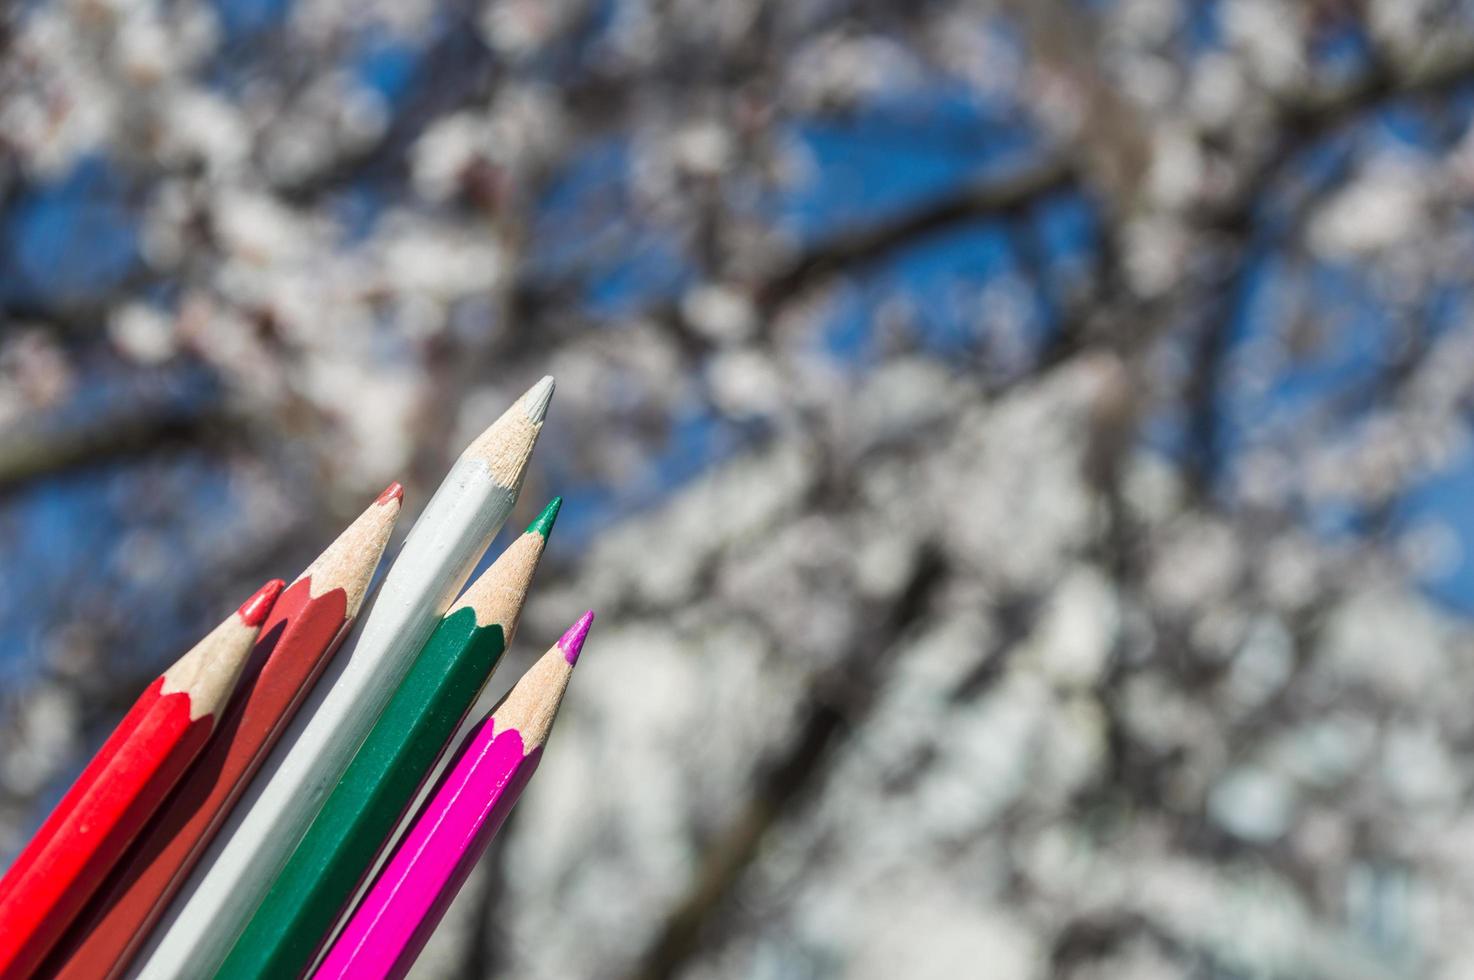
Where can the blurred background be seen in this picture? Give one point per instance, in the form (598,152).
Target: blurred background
(1018,449)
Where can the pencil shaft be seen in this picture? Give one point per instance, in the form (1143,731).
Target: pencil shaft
(303,631)
(225,889)
(452,829)
(116,793)
(157,864)
(362,810)
(120,788)
(448,837)
(232,879)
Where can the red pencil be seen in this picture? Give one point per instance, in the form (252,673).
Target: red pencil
(306,626)
(120,789)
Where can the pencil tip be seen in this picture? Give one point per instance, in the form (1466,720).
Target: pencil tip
(537,398)
(572,642)
(253,611)
(394,492)
(543,523)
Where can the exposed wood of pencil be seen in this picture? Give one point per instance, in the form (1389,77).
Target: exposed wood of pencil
(357,820)
(459,521)
(454,827)
(119,790)
(304,629)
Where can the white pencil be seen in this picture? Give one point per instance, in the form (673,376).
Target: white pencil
(442,548)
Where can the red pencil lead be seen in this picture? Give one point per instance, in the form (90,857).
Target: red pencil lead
(253,611)
(394,491)
(571,642)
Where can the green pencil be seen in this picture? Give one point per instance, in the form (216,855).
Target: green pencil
(339,848)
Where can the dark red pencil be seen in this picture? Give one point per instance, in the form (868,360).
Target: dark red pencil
(297,641)
(121,788)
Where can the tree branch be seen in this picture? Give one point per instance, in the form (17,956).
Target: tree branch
(992,197)
(836,702)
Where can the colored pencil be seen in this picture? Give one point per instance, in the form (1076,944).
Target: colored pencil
(303,631)
(121,787)
(454,827)
(339,848)
(459,521)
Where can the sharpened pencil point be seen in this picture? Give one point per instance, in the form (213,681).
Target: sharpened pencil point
(393,492)
(543,523)
(537,398)
(253,611)
(571,642)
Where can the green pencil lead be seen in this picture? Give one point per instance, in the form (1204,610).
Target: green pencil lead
(543,523)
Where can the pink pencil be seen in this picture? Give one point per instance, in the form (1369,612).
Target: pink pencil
(453,828)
